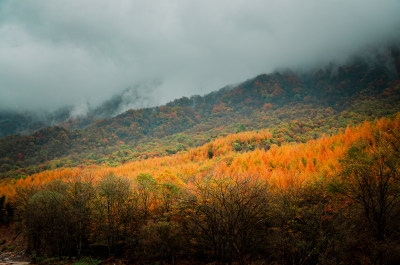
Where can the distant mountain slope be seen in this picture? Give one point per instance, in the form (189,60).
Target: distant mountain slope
(13,122)
(296,107)
(23,122)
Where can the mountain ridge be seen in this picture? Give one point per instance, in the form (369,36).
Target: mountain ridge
(322,101)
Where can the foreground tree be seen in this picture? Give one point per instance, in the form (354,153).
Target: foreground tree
(370,178)
(112,206)
(227,218)
(305,224)
(79,198)
(372,172)
(47,224)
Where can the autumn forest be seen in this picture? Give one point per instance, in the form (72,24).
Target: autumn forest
(284,168)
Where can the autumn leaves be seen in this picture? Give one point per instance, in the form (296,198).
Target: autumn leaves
(294,203)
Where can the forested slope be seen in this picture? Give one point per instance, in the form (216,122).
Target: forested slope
(294,107)
(238,198)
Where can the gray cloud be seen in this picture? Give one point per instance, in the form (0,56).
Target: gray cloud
(59,52)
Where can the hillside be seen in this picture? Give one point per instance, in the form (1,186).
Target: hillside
(200,132)
(286,168)
(251,153)
(296,203)
(295,107)
(14,122)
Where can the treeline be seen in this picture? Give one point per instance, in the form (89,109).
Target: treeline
(353,218)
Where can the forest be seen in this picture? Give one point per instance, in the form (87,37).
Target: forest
(281,169)
(295,107)
(236,200)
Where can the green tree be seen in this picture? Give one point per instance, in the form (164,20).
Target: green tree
(47,223)
(80,201)
(113,196)
(146,186)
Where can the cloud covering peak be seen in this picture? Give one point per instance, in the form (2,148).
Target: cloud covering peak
(65,52)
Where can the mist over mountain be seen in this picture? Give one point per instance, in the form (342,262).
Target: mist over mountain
(26,122)
(380,59)
(200,132)
(297,106)
(294,129)
(56,54)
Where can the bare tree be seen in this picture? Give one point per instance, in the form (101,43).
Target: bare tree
(371,174)
(370,178)
(228,217)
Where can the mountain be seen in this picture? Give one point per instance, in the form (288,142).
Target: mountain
(23,122)
(295,106)
(14,122)
(298,203)
(285,168)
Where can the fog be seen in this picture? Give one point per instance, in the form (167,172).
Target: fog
(73,52)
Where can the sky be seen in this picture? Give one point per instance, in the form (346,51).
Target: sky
(82,52)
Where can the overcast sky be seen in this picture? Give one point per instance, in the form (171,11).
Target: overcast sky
(63,52)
